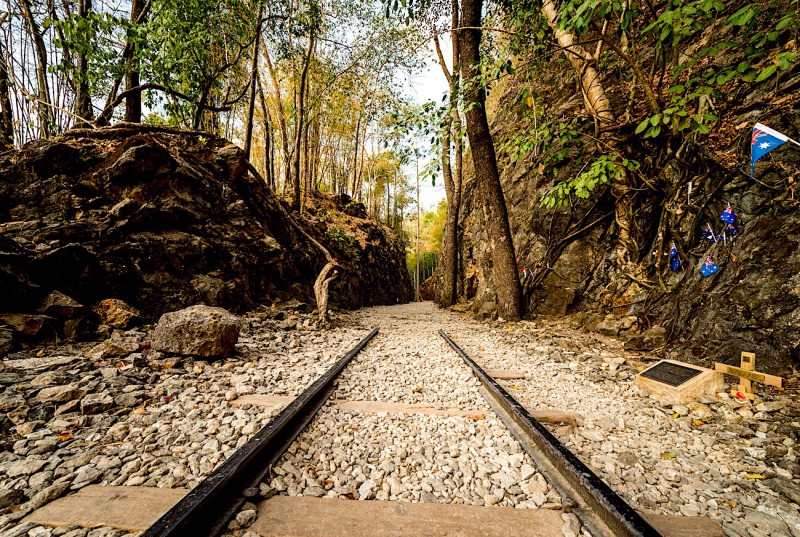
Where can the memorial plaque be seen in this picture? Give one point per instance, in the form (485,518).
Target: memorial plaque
(671,373)
(679,382)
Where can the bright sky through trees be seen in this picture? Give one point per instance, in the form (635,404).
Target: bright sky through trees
(429,85)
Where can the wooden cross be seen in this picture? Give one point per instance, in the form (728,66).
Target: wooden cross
(747,374)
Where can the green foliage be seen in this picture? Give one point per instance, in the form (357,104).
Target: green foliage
(683,19)
(603,171)
(343,240)
(191,45)
(428,262)
(540,136)
(96,36)
(676,117)
(431,234)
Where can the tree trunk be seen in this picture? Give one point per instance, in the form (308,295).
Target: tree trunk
(598,104)
(133,103)
(356,192)
(419,214)
(448,294)
(269,170)
(300,123)
(6,114)
(251,105)
(593,92)
(83,100)
(329,273)
(504,266)
(281,121)
(43,90)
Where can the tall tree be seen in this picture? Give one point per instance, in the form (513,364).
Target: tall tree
(6,114)
(133,102)
(43,104)
(251,108)
(283,129)
(300,120)
(452,173)
(83,99)
(484,160)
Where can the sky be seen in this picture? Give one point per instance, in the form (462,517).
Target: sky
(430,84)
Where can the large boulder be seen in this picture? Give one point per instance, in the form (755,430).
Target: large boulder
(202,331)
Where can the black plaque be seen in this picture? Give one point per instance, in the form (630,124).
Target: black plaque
(672,374)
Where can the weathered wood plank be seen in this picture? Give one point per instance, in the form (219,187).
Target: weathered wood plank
(684,526)
(298,516)
(770,380)
(125,508)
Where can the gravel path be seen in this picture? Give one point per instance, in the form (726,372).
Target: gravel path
(150,420)
(721,458)
(409,457)
(166,423)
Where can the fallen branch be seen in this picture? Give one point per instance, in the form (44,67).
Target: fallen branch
(329,273)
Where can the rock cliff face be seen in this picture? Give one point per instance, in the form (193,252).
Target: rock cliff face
(567,255)
(164,219)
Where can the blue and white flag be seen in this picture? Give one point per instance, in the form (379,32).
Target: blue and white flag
(728,216)
(708,268)
(764,140)
(674,259)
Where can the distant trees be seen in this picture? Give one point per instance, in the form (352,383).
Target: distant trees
(302,84)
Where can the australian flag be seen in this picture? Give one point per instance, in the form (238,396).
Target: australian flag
(708,268)
(674,260)
(728,215)
(764,140)
(731,230)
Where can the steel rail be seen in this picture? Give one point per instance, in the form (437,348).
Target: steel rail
(602,510)
(207,509)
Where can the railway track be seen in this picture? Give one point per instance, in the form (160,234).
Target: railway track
(208,508)
(598,507)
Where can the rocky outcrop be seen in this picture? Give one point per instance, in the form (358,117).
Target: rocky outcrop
(163,219)
(567,255)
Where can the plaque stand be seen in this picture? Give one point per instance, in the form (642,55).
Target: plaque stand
(679,383)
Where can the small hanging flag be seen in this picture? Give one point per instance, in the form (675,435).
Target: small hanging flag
(728,216)
(708,233)
(763,141)
(674,260)
(708,268)
(731,231)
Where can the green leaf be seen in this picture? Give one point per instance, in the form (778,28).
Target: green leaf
(766,73)
(742,16)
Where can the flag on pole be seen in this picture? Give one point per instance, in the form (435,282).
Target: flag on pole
(728,216)
(674,260)
(763,141)
(731,230)
(708,268)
